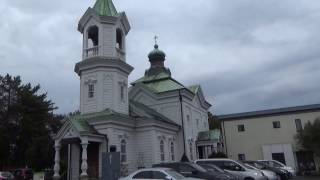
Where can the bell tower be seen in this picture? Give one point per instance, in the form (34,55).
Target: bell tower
(103,70)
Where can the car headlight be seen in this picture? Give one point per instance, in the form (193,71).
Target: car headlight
(258,174)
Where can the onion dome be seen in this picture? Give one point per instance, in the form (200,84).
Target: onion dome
(156,54)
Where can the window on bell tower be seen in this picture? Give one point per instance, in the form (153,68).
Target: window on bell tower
(119,44)
(93,36)
(90,90)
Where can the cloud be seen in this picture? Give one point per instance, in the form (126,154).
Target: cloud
(247,55)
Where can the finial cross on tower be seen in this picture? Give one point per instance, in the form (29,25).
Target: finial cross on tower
(155,39)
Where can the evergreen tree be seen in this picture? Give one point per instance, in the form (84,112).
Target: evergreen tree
(309,137)
(214,122)
(26,125)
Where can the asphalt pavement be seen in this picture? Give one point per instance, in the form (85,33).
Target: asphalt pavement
(307,178)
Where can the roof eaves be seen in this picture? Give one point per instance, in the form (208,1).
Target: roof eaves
(270,112)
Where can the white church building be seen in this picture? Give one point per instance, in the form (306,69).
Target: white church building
(156,119)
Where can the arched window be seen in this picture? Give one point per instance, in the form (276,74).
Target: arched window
(119,39)
(162,150)
(93,36)
(123,151)
(191,151)
(172,151)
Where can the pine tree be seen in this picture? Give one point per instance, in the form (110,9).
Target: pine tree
(26,125)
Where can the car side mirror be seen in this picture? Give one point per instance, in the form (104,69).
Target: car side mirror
(168,178)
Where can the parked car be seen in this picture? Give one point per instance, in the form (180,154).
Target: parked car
(156,173)
(278,164)
(214,168)
(189,169)
(5,175)
(269,174)
(235,168)
(281,173)
(23,174)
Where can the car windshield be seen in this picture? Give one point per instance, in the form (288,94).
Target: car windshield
(174,174)
(259,165)
(248,166)
(211,167)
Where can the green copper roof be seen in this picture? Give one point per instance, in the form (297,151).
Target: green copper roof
(105,8)
(164,85)
(194,88)
(151,112)
(159,76)
(81,124)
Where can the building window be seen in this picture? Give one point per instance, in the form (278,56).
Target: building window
(241,128)
(123,151)
(119,44)
(172,151)
(241,157)
(191,151)
(276,124)
(90,90)
(122,93)
(298,124)
(197,123)
(188,118)
(162,150)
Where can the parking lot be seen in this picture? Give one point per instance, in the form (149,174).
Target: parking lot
(307,178)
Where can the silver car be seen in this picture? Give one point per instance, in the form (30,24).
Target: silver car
(235,168)
(156,173)
(269,174)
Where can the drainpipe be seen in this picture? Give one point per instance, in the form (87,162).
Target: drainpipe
(184,156)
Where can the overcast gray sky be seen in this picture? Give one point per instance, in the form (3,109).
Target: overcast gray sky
(246,54)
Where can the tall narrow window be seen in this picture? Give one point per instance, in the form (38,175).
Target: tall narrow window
(172,151)
(298,124)
(162,150)
(198,121)
(90,90)
(93,36)
(119,39)
(122,93)
(191,151)
(123,151)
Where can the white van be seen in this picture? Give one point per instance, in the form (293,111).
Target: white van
(235,168)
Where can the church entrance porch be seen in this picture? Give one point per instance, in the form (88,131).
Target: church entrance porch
(80,158)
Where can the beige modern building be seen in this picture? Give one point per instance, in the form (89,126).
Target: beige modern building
(269,134)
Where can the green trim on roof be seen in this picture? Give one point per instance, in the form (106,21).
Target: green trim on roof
(105,8)
(81,124)
(159,76)
(164,85)
(194,88)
